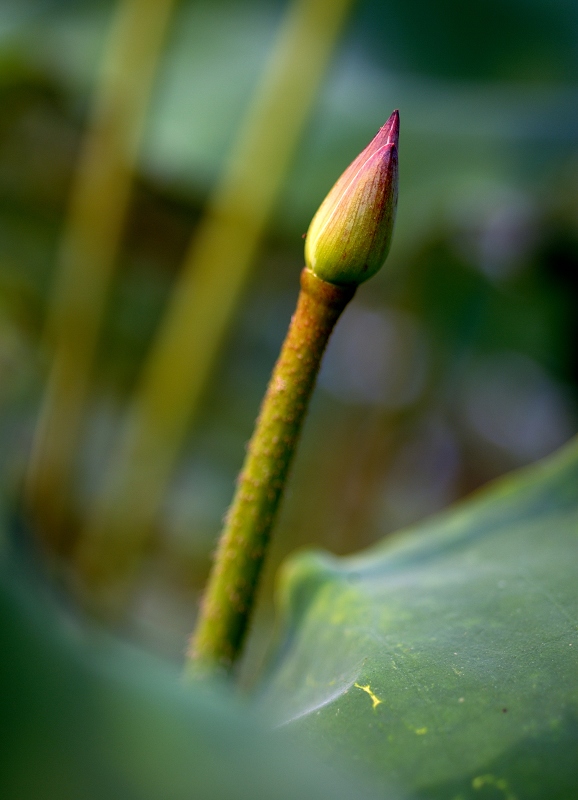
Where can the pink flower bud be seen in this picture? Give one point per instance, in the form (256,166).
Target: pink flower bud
(349,237)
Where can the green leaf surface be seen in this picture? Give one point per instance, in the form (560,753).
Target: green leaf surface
(446,658)
(86,718)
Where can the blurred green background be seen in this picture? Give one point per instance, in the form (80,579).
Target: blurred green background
(456,363)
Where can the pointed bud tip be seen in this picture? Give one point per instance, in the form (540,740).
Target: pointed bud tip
(349,236)
(391,128)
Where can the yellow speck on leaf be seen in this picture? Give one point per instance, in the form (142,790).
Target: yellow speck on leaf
(367,689)
(421,731)
(490,780)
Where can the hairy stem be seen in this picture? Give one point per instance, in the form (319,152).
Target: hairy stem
(232,586)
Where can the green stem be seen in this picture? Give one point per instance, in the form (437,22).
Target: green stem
(232,586)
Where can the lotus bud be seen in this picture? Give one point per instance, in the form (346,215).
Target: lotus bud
(349,237)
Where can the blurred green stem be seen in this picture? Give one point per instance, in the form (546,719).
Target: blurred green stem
(98,205)
(230,594)
(204,300)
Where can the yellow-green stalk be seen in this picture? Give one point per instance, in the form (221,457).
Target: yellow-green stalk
(347,242)
(99,201)
(212,279)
